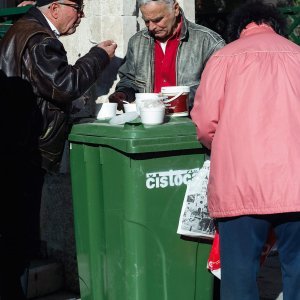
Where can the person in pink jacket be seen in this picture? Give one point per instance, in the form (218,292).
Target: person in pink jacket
(247,111)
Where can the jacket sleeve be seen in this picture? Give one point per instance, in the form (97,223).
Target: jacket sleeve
(209,46)
(209,100)
(58,81)
(127,72)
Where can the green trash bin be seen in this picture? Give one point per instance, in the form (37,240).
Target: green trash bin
(128,184)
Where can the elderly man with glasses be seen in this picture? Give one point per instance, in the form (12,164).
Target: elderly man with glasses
(31,52)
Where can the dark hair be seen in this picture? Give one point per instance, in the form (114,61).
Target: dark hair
(258,12)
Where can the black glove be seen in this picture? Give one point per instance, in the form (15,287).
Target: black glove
(118,97)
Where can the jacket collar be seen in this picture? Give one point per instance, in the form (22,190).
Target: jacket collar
(36,14)
(253,28)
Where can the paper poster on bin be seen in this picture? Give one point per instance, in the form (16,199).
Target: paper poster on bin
(194,218)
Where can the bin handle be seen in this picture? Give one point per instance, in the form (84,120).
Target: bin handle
(173,98)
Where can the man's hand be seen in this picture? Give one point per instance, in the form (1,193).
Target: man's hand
(118,97)
(109,46)
(25,3)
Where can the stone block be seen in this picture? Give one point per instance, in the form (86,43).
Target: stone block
(117,28)
(44,277)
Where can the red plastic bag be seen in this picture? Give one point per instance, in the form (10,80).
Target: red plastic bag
(214,264)
(271,240)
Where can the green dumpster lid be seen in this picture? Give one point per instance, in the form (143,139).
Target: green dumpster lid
(9,15)
(14,11)
(175,134)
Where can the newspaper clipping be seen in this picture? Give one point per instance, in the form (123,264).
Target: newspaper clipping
(194,218)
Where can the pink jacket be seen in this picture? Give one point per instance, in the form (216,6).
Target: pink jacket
(247,110)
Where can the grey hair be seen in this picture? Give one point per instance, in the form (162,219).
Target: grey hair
(45,7)
(143,2)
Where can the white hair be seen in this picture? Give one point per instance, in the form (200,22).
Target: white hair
(143,2)
(45,7)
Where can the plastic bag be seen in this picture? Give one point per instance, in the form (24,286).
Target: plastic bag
(214,264)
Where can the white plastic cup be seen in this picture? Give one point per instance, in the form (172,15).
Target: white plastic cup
(107,111)
(176,100)
(141,98)
(129,107)
(152,116)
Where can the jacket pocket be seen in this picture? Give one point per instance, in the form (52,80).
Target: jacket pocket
(52,141)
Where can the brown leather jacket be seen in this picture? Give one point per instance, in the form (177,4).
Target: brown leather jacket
(30,50)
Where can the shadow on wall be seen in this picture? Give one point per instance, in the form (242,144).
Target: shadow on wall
(108,77)
(85,108)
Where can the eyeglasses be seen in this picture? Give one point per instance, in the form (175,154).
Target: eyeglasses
(78,8)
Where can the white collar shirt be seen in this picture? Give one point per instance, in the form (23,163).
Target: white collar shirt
(53,28)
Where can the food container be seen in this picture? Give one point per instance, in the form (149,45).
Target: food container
(129,107)
(107,111)
(152,112)
(152,116)
(176,100)
(142,98)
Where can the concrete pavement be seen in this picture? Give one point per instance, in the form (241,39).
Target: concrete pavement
(269,282)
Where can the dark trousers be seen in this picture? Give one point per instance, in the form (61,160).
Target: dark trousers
(241,244)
